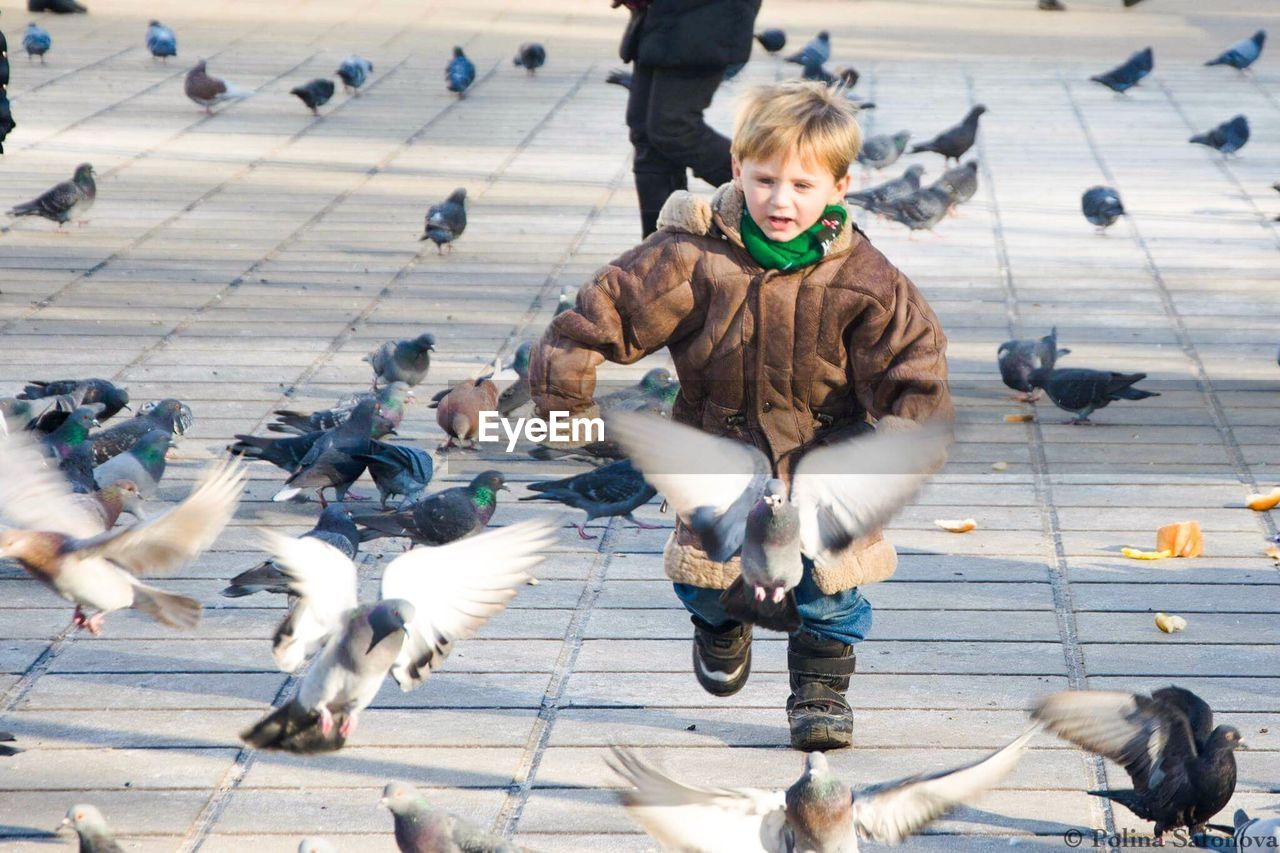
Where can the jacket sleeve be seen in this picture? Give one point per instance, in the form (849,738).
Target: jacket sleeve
(635,305)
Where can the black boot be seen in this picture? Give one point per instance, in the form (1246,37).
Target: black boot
(60,7)
(721,656)
(820,716)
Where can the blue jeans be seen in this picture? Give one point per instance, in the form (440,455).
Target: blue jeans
(843,616)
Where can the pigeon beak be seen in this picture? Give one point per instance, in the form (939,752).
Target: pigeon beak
(66,823)
(504,487)
(1241,745)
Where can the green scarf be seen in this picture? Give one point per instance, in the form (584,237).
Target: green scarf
(804,249)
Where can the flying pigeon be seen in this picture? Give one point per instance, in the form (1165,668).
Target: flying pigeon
(772,40)
(446,516)
(458,412)
(892,190)
(1227,138)
(354,71)
(209,91)
(1183,769)
(446,221)
(1101,206)
(531,56)
(883,150)
(517,393)
(1243,53)
(816,52)
(617,489)
(144,463)
(91,826)
(398,469)
(331,462)
(459,74)
(919,211)
(956,141)
(1080,391)
(421,826)
(724,489)
(161,41)
(62,545)
(334,527)
(65,201)
(1018,359)
(402,361)
(170,415)
(391,401)
(1127,75)
(426,605)
(819,812)
(36,41)
(619,77)
(960,183)
(87,392)
(314,94)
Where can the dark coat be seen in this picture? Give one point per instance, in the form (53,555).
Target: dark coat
(690,33)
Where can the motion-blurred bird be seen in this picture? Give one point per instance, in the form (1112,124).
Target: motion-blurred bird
(1227,138)
(920,211)
(617,489)
(816,52)
(354,71)
(960,183)
(87,392)
(420,827)
(773,40)
(315,94)
(889,191)
(1101,206)
(1127,75)
(335,528)
(65,201)
(209,91)
(619,77)
(162,42)
(89,824)
(1243,53)
(954,142)
(1080,391)
(459,74)
(36,41)
(883,150)
(402,361)
(398,470)
(447,220)
(1019,358)
(450,514)
(531,56)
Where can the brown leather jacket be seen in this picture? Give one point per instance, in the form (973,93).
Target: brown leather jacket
(782,360)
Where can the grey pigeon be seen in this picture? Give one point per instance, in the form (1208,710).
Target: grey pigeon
(1101,206)
(36,41)
(391,401)
(423,828)
(954,142)
(315,845)
(531,56)
(354,71)
(143,463)
(398,469)
(816,52)
(1183,769)
(517,393)
(889,191)
(91,826)
(446,516)
(617,489)
(1019,358)
(1227,138)
(772,40)
(447,220)
(459,74)
(725,490)
(170,415)
(1125,76)
(7,738)
(1255,833)
(619,77)
(162,42)
(314,93)
(65,201)
(919,211)
(426,605)
(960,183)
(87,391)
(402,361)
(209,91)
(1080,390)
(1243,53)
(334,527)
(843,77)
(880,151)
(818,813)
(331,462)
(284,453)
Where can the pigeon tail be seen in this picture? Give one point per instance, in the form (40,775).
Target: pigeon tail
(286,494)
(1128,798)
(176,611)
(741,606)
(292,728)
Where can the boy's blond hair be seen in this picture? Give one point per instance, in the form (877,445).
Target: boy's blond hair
(810,118)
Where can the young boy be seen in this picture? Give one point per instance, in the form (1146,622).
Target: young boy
(787,330)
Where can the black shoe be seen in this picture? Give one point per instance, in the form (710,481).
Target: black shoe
(1051,6)
(59,7)
(721,656)
(817,710)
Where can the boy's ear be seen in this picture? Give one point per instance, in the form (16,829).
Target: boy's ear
(737,168)
(842,187)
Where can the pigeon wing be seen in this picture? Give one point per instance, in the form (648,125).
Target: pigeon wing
(35,497)
(324,579)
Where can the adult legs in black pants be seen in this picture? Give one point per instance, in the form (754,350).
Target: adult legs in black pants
(664,114)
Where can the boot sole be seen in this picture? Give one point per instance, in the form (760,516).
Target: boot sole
(722,688)
(821,732)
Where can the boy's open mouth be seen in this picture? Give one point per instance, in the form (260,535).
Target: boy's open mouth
(780,223)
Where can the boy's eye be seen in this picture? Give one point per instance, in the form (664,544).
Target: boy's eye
(803,186)
(765,181)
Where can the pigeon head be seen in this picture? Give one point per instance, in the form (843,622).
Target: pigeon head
(389,617)
(153,446)
(975,112)
(200,66)
(914,171)
(153,23)
(824,36)
(656,380)
(520,361)
(1259,37)
(174,413)
(1225,738)
(126,493)
(85,820)
(847,77)
(113,397)
(775,493)
(900,139)
(427,341)
(402,798)
(458,196)
(457,52)
(488,483)
(816,766)
(395,394)
(83,172)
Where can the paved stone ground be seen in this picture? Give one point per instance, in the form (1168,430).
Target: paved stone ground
(249,259)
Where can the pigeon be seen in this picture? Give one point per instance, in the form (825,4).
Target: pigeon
(956,141)
(1018,359)
(398,470)
(919,211)
(335,528)
(458,412)
(44,415)
(446,221)
(723,489)
(459,74)
(446,516)
(1101,206)
(423,828)
(161,41)
(144,463)
(91,826)
(7,738)
(880,151)
(209,91)
(960,183)
(36,41)
(314,94)
(772,40)
(1255,833)
(169,415)
(391,401)
(655,393)
(892,190)
(619,77)
(284,453)
(331,462)
(1227,138)
(1128,74)
(819,812)
(816,52)
(843,77)
(617,489)
(531,56)
(354,71)
(1243,53)
(517,393)
(315,845)
(62,545)
(87,391)
(1080,391)
(564,303)
(65,201)
(426,606)
(402,361)
(73,432)
(1183,769)
(109,502)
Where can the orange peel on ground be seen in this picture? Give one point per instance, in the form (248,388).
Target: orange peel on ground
(1169,623)
(1182,538)
(956,525)
(1020,418)
(1259,502)
(1137,554)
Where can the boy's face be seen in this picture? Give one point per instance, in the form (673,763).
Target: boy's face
(785,196)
